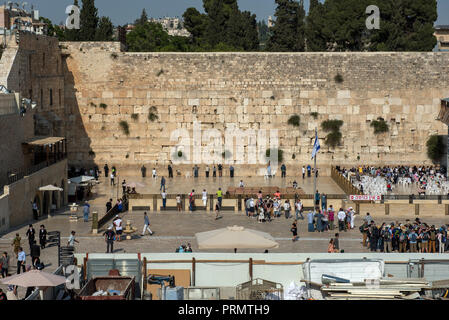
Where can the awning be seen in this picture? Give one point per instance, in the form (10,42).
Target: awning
(81,179)
(50,188)
(43,141)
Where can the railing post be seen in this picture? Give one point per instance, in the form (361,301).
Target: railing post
(145,282)
(251,268)
(193,272)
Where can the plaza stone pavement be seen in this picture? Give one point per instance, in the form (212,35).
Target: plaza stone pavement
(172,229)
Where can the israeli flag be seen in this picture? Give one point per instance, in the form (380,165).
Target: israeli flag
(316,145)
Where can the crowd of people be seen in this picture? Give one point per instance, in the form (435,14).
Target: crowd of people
(427,179)
(416,236)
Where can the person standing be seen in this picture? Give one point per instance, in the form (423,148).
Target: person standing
(217,211)
(35,254)
(109,238)
(310,224)
(112,179)
(21,259)
(207,171)
(323,201)
(341,220)
(164,199)
(124,187)
(154,173)
(114,171)
(106,170)
(118,227)
(72,240)
(364,230)
(214,172)
(4,262)
(319,221)
(108,205)
(204,198)
(283,171)
(192,200)
(170,170)
(287,209)
(309,169)
(162,184)
(387,235)
(16,244)
(331,217)
(42,236)
(220,170)
(298,212)
(432,239)
(294,230)
(178,203)
(413,237)
(303,172)
(146,225)
(231,171)
(86,211)
(35,211)
(143,170)
(317,199)
(31,235)
(219,196)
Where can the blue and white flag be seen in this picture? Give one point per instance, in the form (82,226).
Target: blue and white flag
(316,145)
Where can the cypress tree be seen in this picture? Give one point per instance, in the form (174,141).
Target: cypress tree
(143,18)
(105,30)
(314,30)
(88,21)
(288,31)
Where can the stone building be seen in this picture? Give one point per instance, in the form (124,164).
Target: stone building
(442,35)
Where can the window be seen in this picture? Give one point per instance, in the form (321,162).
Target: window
(51,97)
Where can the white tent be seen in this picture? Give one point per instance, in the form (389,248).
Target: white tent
(50,188)
(81,179)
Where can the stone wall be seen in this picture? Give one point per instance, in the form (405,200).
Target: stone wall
(21,193)
(255,91)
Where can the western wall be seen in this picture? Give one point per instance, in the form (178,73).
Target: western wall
(104,86)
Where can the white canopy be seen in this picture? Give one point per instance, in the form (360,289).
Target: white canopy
(34,278)
(235,238)
(50,188)
(81,179)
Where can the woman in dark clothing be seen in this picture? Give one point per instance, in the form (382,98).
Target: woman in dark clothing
(294,231)
(42,236)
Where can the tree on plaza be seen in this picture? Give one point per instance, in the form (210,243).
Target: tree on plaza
(288,31)
(88,21)
(105,30)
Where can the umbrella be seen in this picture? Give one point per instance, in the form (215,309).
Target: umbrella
(235,238)
(50,188)
(81,179)
(34,278)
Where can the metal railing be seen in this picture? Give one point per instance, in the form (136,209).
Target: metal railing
(18,174)
(344,183)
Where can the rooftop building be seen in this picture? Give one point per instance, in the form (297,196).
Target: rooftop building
(442,35)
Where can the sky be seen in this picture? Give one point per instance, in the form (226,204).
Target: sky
(122,12)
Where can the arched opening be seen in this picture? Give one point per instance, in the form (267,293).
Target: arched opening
(46,204)
(54,201)
(37,201)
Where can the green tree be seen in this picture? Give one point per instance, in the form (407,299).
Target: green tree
(288,32)
(406,25)
(143,18)
(196,23)
(435,148)
(315,24)
(105,30)
(88,21)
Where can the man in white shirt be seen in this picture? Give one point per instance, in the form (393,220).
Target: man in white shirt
(341,219)
(204,198)
(21,258)
(303,172)
(154,174)
(298,206)
(118,227)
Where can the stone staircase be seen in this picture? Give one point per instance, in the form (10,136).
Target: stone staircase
(7,61)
